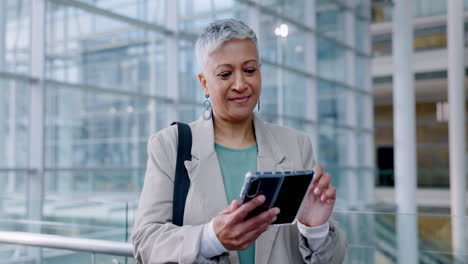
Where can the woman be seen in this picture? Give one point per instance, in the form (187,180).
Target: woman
(227,142)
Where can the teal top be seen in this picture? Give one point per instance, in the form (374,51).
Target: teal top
(234,164)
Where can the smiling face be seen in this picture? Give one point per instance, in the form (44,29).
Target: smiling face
(232,79)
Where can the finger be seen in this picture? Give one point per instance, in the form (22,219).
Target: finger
(318,171)
(267,217)
(245,209)
(249,237)
(322,184)
(324,181)
(330,193)
(231,208)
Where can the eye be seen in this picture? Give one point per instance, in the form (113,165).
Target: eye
(224,75)
(250,70)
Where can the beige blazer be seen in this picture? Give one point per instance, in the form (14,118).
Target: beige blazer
(157,240)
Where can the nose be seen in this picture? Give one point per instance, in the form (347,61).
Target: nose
(239,83)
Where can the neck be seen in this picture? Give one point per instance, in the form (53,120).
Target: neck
(234,134)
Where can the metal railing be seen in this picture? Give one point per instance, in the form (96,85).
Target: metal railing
(92,246)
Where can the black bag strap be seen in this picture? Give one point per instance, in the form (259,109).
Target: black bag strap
(182,180)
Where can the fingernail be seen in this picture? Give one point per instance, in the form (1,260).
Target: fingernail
(273,219)
(317,190)
(276,211)
(322,198)
(261,198)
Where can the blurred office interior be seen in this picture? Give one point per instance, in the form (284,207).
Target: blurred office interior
(84,83)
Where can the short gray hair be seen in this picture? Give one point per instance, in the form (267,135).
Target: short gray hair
(219,32)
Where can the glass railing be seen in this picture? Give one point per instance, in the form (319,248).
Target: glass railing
(72,218)
(372,236)
(77,222)
(25,254)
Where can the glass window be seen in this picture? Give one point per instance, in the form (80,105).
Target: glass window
(268,99)
(295,97)
(118,56)
(88,129)
(330,20)
(108,84)
(13,185)
(194,16)
(153,11)
(331,103)
(93,181)
(15,35)
(362,68)
(292,9)
(340,180)
(429,7)
(332,145)
(330,60)
(189,85)
(289,50)
(362,30)
(14,126)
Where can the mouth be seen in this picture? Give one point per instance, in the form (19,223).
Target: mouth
(240,100)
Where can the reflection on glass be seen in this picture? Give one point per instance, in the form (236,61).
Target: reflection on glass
(108,85)
(330,20)
(15,36)
(331,102)
(96,130)
(86,48)
(14,123)
(331,60)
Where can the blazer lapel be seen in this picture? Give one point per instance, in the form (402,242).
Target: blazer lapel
(204,170)
(270,158)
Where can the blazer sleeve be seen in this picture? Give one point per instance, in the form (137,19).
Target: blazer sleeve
(333,249)
(155,238)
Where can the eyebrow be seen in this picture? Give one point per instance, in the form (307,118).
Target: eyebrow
(229,65)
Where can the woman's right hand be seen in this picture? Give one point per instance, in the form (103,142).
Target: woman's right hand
(235,233)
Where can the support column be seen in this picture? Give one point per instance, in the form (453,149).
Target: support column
(254,19)
(172,61)
(310,52)
(280,43)
(404,131)
(153,64)
(457,141)
(369,111)
(3,100)
(351,151)
(11,144)
(35,185)
(3,21)
(351,110)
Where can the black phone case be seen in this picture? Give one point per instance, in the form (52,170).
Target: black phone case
(284,190)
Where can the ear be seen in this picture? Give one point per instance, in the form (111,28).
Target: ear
(202,80)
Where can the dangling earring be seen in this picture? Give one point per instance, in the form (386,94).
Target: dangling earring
(258,105)
(207,106)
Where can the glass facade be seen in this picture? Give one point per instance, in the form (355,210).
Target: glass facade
(114,72)
(118,71)
(422,8)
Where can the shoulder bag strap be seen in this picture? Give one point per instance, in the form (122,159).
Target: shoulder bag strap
(182,180)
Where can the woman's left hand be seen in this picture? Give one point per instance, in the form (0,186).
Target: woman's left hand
(319,201)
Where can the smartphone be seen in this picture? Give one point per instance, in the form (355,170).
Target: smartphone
(284,190)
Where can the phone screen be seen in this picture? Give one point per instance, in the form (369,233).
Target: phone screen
(266,186)
(289,199)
